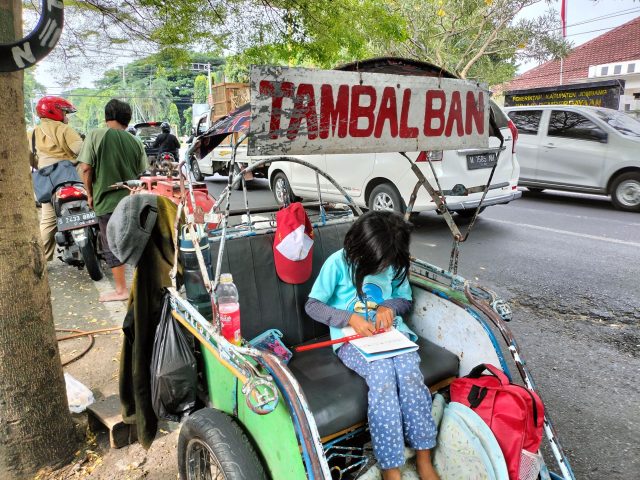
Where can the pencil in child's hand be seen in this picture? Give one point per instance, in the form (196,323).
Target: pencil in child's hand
(326,343)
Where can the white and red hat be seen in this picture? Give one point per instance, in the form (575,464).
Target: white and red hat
(293,244)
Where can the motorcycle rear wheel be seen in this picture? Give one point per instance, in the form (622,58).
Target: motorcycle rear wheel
(90,256)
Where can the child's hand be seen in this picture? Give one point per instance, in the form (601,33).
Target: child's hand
(361,326)
(384,318)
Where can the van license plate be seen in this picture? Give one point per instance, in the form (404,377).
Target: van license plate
(482,160)
(69,222)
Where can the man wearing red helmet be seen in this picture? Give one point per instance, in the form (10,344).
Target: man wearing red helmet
(54,141)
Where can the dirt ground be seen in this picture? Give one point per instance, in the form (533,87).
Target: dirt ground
(75,306)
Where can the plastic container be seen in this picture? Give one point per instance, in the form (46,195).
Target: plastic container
(271,341)
(192,275)
(229,309)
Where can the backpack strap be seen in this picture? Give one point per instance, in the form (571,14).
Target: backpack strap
(495,371)
(33,142)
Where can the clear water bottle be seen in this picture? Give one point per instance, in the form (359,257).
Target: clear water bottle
(229,309)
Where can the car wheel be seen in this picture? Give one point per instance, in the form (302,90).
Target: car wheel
(212,445)
(282,189)
(386,197)
(195,170)
(535,190)
(625,192)
(470,212)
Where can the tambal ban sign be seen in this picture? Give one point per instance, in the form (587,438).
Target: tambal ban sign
(305,111)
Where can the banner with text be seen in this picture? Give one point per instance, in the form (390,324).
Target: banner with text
(305,111)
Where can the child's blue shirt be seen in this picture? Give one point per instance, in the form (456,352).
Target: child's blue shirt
(334,287)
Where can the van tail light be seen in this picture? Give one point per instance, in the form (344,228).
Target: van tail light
(433,155)
(66,193)
(514,135)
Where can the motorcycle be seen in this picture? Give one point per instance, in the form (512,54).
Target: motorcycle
(163,164)
(77,235)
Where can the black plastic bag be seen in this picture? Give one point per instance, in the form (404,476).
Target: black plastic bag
(174,373)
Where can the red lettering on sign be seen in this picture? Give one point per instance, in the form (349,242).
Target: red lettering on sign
(431,113)
(277,91)
(362,111)
(455,116)
(388,112)
(334,114)
(474,112)
(405,130)
(304,108)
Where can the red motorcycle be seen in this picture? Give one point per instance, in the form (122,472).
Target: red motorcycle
(77,235)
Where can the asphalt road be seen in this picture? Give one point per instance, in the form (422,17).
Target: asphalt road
(568,264)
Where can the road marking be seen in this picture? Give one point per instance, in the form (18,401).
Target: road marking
(581,217)
(428,244)
(566,232)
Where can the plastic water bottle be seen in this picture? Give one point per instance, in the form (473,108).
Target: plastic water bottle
(229,309)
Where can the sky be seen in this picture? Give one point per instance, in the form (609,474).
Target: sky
(586,19)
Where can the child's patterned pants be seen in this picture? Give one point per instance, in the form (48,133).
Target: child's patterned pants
(399,402)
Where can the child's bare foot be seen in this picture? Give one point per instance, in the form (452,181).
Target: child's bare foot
(391,474)
(424,466)
(114,296)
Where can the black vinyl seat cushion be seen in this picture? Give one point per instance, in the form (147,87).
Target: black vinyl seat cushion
(337,396)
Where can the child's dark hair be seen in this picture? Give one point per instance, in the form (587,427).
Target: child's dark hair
(378,240)
(118,111)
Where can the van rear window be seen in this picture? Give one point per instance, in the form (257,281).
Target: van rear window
(527,121)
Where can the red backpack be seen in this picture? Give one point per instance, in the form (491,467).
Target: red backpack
(514,413)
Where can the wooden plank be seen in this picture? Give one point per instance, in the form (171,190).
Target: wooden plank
(107,413)
(305,111)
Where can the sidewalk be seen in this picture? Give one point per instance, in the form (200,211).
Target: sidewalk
(74,299)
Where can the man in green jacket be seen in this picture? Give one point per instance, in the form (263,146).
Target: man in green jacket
(110,155)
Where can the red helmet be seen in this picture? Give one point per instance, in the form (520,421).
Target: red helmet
(54,108)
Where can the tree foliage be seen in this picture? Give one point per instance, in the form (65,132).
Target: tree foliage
(200,89)
(473,38)
(32,91)
(476,39)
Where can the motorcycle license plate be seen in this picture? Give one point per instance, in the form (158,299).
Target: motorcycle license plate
(69,222)
(481,160)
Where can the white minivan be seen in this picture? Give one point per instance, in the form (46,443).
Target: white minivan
(580,149)
(381,181)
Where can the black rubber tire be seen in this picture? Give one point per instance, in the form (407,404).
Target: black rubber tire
(632,181)
(225,442)
(90,257)
(275,188)
(386,194)
(469,213)
(195,170)
(535,189)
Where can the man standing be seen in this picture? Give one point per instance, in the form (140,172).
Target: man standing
(111,155)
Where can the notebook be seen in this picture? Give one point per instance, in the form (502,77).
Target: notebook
(383,345)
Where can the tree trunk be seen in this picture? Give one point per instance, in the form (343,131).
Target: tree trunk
(36,429)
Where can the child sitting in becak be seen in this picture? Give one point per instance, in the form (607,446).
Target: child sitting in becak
(371,273)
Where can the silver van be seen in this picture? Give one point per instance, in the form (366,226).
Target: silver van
(579,149)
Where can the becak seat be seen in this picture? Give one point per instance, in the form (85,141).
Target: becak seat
(337,396)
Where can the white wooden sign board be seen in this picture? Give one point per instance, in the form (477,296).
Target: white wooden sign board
(305,111)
